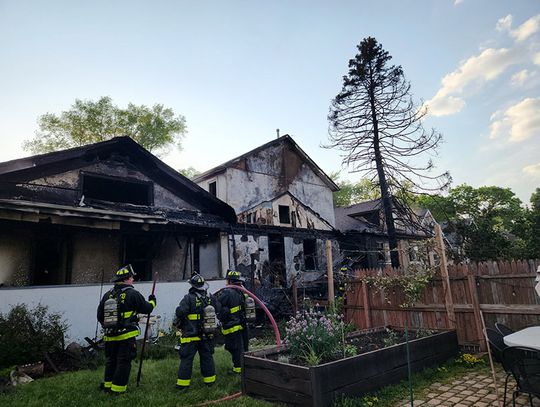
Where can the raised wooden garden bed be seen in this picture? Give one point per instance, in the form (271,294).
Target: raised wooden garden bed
(263,376)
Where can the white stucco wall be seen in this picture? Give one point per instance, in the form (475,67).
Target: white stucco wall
(78,303)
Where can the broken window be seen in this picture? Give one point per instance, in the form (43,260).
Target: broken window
(284,214)
(113,189)
(310,254)
(212,188)
(249,218)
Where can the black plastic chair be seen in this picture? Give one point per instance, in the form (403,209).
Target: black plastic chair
(524,364)
(497,347)
(503,329)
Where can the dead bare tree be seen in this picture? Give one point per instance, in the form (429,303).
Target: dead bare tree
(374,121)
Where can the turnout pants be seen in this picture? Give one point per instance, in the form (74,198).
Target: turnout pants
(187,354)
(234,343)
(119,355)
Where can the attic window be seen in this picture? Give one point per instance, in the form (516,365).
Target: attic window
(114,189)
(284,214)
(212,188)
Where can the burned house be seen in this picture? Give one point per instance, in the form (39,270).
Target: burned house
(283,203)
(71,218)
(364,241)
(68,216)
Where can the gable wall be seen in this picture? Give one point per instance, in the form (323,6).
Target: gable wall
(269,173)
(70,179)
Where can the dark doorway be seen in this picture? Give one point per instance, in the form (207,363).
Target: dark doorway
(310,254)
(50,261)
(139,252)
(276,255)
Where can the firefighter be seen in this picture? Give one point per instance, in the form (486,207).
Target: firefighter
(117,313)
(196,317)
(234,328)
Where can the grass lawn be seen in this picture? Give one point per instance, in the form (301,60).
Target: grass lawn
(156,388)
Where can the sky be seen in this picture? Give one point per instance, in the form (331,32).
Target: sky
(238,70)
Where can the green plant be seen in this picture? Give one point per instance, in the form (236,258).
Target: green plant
(423,332)
(469,360)
(26,334)
(314,337)
(392,338)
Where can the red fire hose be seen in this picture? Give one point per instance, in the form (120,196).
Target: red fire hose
(261,304)
(276,333)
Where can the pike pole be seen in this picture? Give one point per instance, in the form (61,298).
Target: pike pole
(145,335)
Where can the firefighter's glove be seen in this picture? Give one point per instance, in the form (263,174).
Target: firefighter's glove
(152,299)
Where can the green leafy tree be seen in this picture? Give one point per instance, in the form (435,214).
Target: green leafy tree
(351,193)
(189,172)
(490,220)
(374,121)
(155,128)
(533,246)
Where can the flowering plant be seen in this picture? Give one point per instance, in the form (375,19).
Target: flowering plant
(314,337)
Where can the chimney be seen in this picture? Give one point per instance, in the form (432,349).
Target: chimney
(277,132)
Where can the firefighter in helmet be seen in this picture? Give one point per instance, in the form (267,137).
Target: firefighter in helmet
(117,313)
(235,305)
(196,317)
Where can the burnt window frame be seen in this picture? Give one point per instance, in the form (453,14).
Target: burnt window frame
(288,214)
(129,180)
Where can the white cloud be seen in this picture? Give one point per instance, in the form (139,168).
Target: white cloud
(533,169)
(519,78)
(519,122)
(456,2)
(536,59)
(521,33)
(486,66)
(526,29)
(505,23)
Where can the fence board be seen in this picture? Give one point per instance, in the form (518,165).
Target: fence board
(504,289)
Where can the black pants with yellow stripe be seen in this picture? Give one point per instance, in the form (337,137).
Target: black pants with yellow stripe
(187,353)
(118,365)
(234,343)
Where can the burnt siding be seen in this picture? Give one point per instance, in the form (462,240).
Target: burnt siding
(66,186)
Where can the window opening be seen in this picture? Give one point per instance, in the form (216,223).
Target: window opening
(113,189)
(284,214)
(276,257)
(51,261)
(212,188)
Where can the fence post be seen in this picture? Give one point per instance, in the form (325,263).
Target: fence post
(365,300)
(476,309)
(448,302)
(330,272)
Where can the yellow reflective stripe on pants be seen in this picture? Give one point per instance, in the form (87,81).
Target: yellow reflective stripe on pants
(209,379)
(237,369)
(107,385)
(194,317)
(190,339)
(235,309)
(118,389)
(183,382)
(127,335)
(230,330)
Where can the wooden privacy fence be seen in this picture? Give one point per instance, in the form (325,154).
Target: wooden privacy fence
(503,291)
